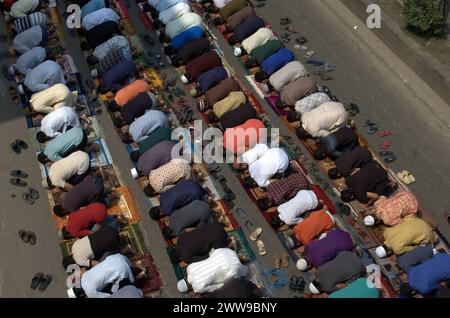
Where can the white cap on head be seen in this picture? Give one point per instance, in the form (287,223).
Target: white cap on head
(184,79)
(134,173)
(322,236)
(12,70)
(158,33)
(435,251)
(302,264)
(380,252)
(331,216)
(265,88)
(71,293)
(94,73)
(193,92)
(182,286)
(237,51)
(313,289)
(369,220)
(21,89)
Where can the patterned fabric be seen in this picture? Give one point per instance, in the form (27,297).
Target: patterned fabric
(115,43)
(111,59)
(285,189)
(31,20)
(165,177)
(393,210)
(311,102)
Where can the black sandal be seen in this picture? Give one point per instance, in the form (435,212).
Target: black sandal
(46,280)
(15,147)
(32,237)
(24,236)
(18,182)
(28,198)
(34,193)
(22,144)
(37,279)
(18,174)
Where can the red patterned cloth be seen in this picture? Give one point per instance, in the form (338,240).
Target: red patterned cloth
(282,190)
(393,210)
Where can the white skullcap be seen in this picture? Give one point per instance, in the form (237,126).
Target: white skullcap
(323,235)
(12,70)
(313,289)
(71,293)
(265,88)
(380,252)
(369,220)
(134,173)
(237,51)
(21,89)
(182,286)
(94,73)
(184,79)
(331,217)
(302,264)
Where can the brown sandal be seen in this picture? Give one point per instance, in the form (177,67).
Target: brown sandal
(285,260)
(276,264)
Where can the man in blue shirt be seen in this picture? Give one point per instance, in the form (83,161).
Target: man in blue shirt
(273,63)
(118,76)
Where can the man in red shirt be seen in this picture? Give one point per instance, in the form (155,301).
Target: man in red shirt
(81,222)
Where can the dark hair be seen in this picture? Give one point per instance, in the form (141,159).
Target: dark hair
(176,61)
(41,137)
(146,7)
(149,191)
(169,50)
(319,154)
(405,289)
(134,156)
(42,158)
(157,24)
(102,90)
(302,133)
(59,211)
(347,196)
(218,21)
(126,138)
(249,182)
(155,213)
(232,40)
(276,221)
(212,117)
(112,106)
(66,235)
(85,46)
(261,76)
(333,174)
(167,233)
(81,32)
(68,260)
(250,63)
(118,122)
(292,116)
(163,37)
(263,203)
(92,59)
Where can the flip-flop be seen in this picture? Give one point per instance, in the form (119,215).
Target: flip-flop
(22,144)
(390,158)
(46,280)
(301,40)
(327,68)
(249,225)
(36,281)
(384,133)
(28,198)
(32,237)
(276,263)
(285,260)
(261,248)
(24,236)
(293,282)
(19,174)
(372,130)
(386,144)
(15,147)
(255,234)
(369,123)
(309,54)
(385,153)
(18,182)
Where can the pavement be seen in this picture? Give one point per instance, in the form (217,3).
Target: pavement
(367,73)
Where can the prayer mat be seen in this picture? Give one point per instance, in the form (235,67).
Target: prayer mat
(145,18)
(152,283)
(126,206)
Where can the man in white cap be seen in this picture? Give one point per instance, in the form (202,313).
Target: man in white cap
(43,76)
(211,274)
(57,122)
(257,39)
(53,98)
(28,61)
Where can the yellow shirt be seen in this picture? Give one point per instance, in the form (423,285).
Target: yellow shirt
(232,101)
(406,236)
(53,98)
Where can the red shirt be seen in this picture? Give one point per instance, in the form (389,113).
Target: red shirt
(243,137)
(7,4)
(81,221)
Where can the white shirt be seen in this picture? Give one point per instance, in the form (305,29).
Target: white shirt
(174,12)
(28,39)
(64,169)
(111,271)
(30,60)
(22,7)
(260,37)
(251,155)
(182,23)
(212,273)
(274,161)
(43,76)
(100,16)
(56,123)
(320,122)
(221,3)
(290,211)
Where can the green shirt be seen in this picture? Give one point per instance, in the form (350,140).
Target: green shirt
(259,54)
(357,289)
(63,143)
(160,134)
(232,7)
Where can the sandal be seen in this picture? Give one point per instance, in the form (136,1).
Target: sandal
(22,144)
(255,234)
(301,40)
(261,248)
(406,177)
(37,279)
(241,213)
(372,130)
(46,280)
(18,182)
(285,260)
(309,54)
(369,123)
(327,68)
(15,147)
(27,197)
(385,145)
(18,174)
(293,282)
(384,133)
(249,224)
(276,262)
(24,236)
(385,153)
(390,158)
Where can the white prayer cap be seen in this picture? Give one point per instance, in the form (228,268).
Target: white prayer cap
(380,252)
(184,79)
(71,293)
(94,73)
(313,289)
(182,286)
(302,264)
(331,216)
(134,173)
(369,220)
(21,89)
(322,236)
(12,70)
(265,88)
(237,51)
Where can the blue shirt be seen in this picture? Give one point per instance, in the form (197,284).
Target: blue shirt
(276,61)
(211,78)
(92,6)
(115,77)
(63,143)
(30,59)
(187,36)
(425,278)
(247,28)
(181,195)
(417,256)
(142,127)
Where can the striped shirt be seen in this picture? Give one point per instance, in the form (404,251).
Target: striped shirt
(31,20)
(212,273)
